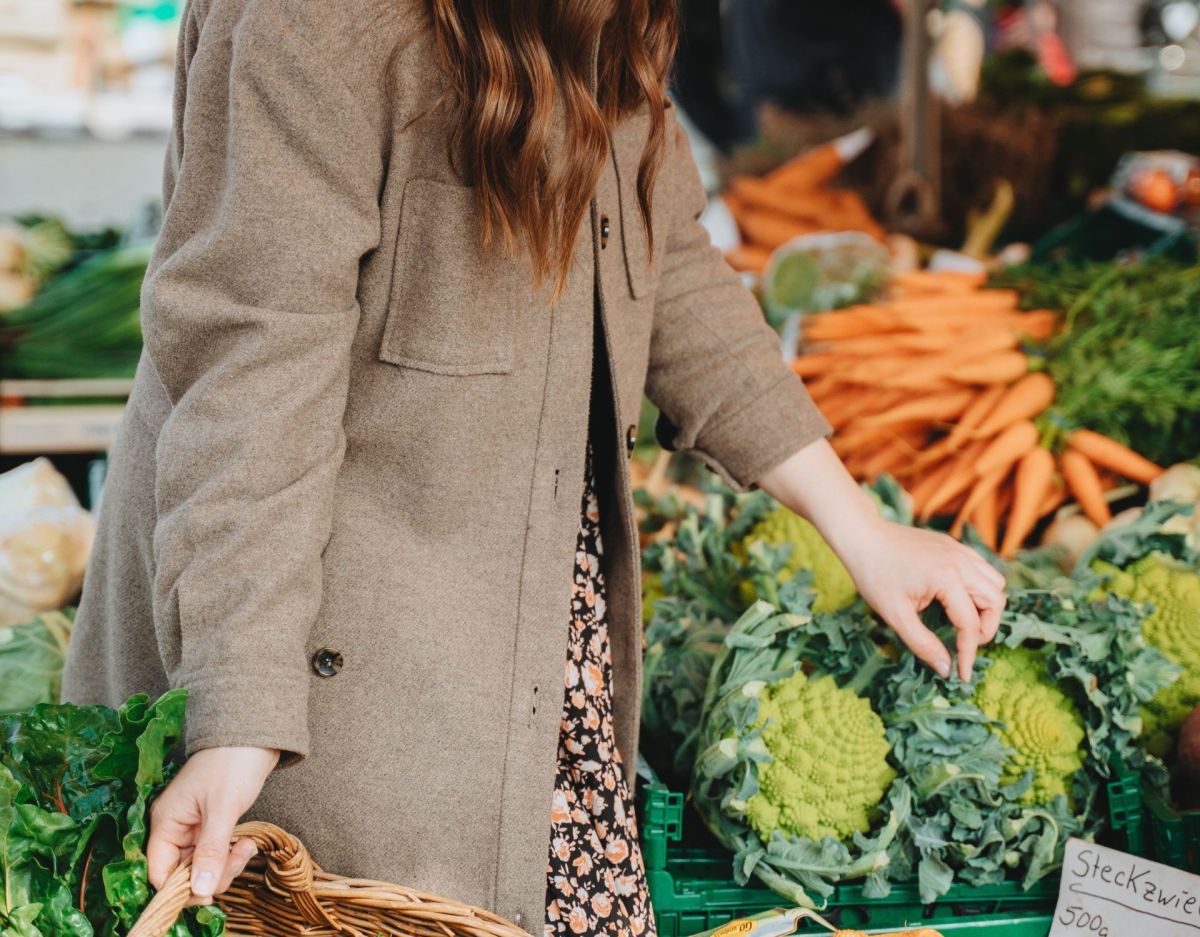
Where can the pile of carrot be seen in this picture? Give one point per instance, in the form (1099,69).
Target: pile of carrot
(792,200)
(932,386)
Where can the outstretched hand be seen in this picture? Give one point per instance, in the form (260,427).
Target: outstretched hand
(899,570)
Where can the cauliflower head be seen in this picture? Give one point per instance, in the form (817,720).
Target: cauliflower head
(828,771)
(831,580)
(1039,723)
(1172,626)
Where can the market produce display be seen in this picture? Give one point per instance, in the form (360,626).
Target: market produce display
(994,406)
(82,323)
(795,199)
(75,784)
(822,752)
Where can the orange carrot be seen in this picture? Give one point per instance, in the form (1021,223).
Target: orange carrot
(955,304)
(1084,482)
(809,170)
(1037,323)
(945,281)
(1110,454)
(1022,401)
(831,326)
(974,415)
(986,518)
(819,363)
(931,408)
(924,488)
(954,483)
(1006,448)
(1001,368)
(1054,497)
(770,229)
(1035,473)
(983,489)
(748,258)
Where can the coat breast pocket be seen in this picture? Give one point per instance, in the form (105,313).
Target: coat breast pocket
(454,302)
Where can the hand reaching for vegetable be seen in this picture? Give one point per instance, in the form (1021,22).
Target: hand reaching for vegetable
(899,570)
(197,812)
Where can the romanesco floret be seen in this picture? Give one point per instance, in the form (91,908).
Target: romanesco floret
(831,581)
(1172,626)
(829,768)
(1039,723)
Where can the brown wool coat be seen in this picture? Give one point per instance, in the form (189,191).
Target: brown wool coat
(355,428)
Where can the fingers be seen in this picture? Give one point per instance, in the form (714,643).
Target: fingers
(172,829)
(963,613)
(989,623)
(920,640)
(239,856)
(212,852)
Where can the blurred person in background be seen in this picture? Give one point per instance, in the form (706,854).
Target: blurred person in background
(370,501)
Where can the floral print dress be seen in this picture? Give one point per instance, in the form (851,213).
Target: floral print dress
(596,878)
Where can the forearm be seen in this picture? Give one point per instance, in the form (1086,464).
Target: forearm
(814,483)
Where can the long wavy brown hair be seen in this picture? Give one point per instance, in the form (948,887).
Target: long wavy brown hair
(514,64)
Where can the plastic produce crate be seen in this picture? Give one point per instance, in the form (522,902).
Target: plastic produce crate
(1146,825)
(692,889)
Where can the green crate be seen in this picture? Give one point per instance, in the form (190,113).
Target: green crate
(1145,825)
(692,889)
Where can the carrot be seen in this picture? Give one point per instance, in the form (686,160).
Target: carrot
(1054,497)
(975,414)
(1037,323)
(1084,483)
(945,281)
(1001,368)
(1035,473)
(1022,401)
(770,229)
(983,489)
(986,519)
(901,448)
(954,483)
(1006,448)
(810,170)
(819,363)
(830,326)
(931,408)
(925,488)
(748,258)
(1110,454)
(981,301)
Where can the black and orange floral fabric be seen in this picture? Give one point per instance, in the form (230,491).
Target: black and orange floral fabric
(596,877)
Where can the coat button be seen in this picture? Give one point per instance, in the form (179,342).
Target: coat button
(631,438)
(327,662)
(605,231)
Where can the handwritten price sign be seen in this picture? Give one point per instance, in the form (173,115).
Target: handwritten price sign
(1106,893)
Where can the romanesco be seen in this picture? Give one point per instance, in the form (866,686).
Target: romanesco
(1039,723)
(831,581)
(1172,626)
(829,768)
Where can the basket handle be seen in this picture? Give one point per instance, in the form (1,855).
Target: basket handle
(289,871)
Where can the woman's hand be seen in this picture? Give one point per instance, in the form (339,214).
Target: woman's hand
(899,570)
(197,812)
(902,570)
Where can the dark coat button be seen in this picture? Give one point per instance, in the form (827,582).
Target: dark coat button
(605,231)
(631,438)
(327,662)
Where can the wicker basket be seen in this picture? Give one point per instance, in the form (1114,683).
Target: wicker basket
(283,893)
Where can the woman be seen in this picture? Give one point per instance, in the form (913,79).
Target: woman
(418,263)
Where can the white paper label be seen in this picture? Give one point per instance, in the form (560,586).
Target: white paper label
(1107,893)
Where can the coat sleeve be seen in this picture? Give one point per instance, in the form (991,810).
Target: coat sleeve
(249,311)
(716,371)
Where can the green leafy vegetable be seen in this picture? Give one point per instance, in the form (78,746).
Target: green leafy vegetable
(75,784)
(1127,360)
(31,660)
